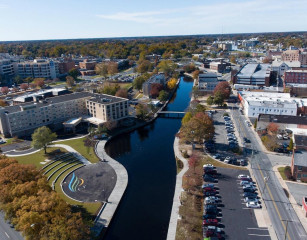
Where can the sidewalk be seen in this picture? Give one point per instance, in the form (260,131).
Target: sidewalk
(294,204)
(104,218)
(171,234)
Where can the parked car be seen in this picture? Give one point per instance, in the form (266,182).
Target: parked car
(279,136)
(252,190)
(251,199)
(249,194)
(253,205)
(209,179)
(246,140)
(211,222)
(251,185)
(242,162)
(243,183)
(243,176)
(208,185)
(209,216)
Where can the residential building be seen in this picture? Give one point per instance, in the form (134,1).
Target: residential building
(157,78)
(254,74)
(295,55)
(281,67)
(23,119)
(39,68)
(255,103)
(65,66)
(7,69)
(207,82)
(295,76)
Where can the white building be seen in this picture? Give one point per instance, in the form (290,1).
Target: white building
(39,68)
(255,103)
(207,82)
(282,66)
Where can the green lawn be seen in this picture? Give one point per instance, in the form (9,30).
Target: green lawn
(216,163)
(37,157)
(86,152)
(281,170)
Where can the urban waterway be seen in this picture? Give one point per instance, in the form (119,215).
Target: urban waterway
(147,154)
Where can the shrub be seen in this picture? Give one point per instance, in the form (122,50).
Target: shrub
(287,172)
(185,154)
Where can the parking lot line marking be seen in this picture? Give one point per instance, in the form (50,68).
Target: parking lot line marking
(258,235)
(273,200)
(266,229)
(7,235)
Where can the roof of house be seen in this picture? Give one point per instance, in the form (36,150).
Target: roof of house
(289,63)
(300,158)
(300,141)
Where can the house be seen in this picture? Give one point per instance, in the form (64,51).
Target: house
(157,78)
(282,66)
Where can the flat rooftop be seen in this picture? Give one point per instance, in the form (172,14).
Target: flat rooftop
(254,70)
(101,98)
(300,158)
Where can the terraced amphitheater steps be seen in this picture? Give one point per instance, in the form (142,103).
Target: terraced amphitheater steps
(56,179)
(55,159)
(77,160)
(59,162)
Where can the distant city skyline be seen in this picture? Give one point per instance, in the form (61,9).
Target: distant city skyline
(40,20)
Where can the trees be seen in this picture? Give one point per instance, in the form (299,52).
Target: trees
(195,74)
(210,100)
(155,89)
(74,73)
(24,86)
(194,161)
(167,67)
(112,68)
(290,147)
(224,88)
(39,82)
(187,117)
(171,83)
(199,127)
(138,81)
(189,68)
(233,59)
(5,90)
(218,98)
(70,81)
(42,137)
(144,66)
(163,95)
(3,103)
(102,69)
(272,128)
(141,111)
(109,89)
(122,93)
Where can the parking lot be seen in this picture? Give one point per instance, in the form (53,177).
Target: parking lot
(226,139)
(238,221)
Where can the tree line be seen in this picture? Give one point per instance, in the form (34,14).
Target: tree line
(35,209)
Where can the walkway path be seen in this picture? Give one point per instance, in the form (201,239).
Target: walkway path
(171,234)
(104,217)
(70,149)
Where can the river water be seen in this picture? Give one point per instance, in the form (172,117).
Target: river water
(147,154)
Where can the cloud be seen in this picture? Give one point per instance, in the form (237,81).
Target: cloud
(235,16)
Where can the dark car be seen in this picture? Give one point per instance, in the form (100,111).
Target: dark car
(246,179)
(208,185)
(250,194)
(246,140)
(209,216)
(209,194)
(211,222)
(252,190)
(211,211)
(209,190)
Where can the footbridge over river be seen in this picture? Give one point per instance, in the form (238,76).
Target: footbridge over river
(171,114)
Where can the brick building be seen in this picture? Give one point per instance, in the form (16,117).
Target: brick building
(295,76)
(299,158)
(87,65)
(295,55)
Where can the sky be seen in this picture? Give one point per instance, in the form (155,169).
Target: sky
(67,19)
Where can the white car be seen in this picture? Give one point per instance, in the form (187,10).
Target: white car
(243,176)
(246,183)
(253,205)
(208,166)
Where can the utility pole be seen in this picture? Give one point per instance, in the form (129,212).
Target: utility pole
(287,221)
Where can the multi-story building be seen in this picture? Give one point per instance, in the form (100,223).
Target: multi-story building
(299,158)
(255,103)
(207,82)
(281,67)
(39,68)
(7,69)
(157,78)
(254,74)
(87,65)
(295,55)
(295,77)
(23,119)
(65,66)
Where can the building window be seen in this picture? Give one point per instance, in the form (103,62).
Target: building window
(300,168)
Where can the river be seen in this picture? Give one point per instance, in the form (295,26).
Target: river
(147,154)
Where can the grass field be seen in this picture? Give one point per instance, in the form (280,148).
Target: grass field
(38,157)
(86,152)
(216,163)
(281,170)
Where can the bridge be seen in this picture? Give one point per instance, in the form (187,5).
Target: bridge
(171,114)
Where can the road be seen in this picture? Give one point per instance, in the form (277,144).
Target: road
(6,232)
(282,215)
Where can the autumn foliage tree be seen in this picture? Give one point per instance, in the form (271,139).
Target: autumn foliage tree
(24,86)
(224,88)
(155,89)
(5,90)
(34,209)
(171,83)
(39,82)
(272,128)
(122,93)
(194,161)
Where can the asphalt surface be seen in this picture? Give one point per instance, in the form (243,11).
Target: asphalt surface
(282,215)
(91,183)
(239,221)
(6,232)
(298,191)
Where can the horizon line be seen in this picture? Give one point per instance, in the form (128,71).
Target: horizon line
(150,36)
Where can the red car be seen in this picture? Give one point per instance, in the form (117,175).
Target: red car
(209,190)
(212,222)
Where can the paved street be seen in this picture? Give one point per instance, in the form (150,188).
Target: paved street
(279,208)
(6,232)
(298,191)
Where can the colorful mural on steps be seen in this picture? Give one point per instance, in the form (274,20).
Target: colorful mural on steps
(75,182)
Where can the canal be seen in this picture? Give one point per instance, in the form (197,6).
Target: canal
(147,154)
